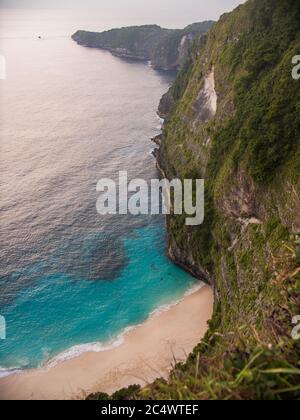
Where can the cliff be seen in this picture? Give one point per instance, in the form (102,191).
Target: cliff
(167,49)
(232,118)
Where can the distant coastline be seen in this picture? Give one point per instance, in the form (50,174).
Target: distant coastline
(165,49)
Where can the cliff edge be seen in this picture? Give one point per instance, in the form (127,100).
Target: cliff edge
(232,118)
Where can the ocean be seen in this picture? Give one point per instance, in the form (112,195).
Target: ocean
(70,279)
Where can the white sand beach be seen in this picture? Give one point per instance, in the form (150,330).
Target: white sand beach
(148,352)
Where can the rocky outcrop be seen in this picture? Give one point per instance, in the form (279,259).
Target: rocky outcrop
(167,103)
(186,261)
(167,49)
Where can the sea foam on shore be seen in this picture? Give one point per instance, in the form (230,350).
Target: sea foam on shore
(97,347)
(146,353)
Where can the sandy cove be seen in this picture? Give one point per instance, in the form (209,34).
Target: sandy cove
(147,353)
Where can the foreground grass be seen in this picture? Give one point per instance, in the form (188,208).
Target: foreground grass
(255,360)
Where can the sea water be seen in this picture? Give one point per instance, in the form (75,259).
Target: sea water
(70,279)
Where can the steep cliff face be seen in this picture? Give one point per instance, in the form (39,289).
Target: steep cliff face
(233,118)
(166,48)
(235,122)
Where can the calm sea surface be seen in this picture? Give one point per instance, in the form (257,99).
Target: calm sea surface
(70,116)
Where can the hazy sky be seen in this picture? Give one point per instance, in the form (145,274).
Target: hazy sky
(143,10)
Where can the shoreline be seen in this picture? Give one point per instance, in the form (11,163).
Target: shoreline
(131,361)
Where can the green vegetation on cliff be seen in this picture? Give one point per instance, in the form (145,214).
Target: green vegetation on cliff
(248,151)
(165,48)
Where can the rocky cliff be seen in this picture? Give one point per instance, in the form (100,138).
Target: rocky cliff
(233,118)
(167,49)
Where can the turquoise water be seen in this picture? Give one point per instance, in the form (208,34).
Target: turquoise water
(62,310)
(68,276)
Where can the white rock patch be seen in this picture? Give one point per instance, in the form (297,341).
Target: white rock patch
(207,100)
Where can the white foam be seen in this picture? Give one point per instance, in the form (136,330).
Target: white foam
(167,307)
(4,372)
(161,122)
(198,286)
(76,351)
(80,349)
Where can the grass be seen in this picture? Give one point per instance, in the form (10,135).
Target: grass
(254,358)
